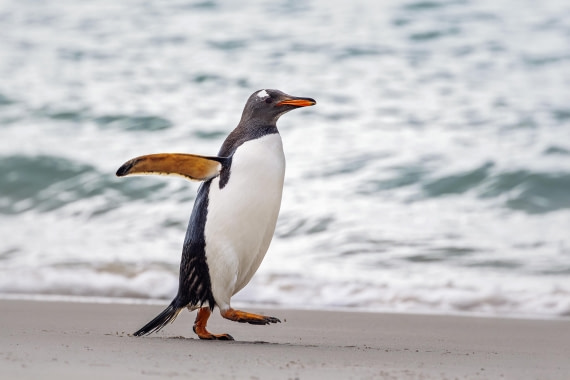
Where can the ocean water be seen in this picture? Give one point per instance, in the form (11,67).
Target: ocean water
(432,176)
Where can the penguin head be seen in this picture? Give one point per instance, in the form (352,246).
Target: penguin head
(266,106)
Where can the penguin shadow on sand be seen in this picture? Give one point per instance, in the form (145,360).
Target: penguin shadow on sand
(234,215)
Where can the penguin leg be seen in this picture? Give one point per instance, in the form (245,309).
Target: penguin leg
(243,317)
(200,326)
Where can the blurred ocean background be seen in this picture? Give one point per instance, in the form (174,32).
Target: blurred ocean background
(432,176)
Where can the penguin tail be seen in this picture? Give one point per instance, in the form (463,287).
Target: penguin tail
(167,316)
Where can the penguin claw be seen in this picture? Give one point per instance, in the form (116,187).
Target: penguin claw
(227,337)
(264,321)
(224,337)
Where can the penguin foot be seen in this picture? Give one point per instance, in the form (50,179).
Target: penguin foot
(245,317)
(206,335)
(200,326)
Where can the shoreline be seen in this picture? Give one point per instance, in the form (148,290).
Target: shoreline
(68,339)
(164,302)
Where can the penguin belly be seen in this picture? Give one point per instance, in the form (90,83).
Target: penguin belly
(242,215)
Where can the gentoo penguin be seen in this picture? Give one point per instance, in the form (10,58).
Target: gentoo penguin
(234,213)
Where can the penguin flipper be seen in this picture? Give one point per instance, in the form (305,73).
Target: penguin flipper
(190,166)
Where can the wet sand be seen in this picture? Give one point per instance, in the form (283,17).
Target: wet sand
(66,340)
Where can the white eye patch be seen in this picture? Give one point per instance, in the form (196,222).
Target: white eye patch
(262,94)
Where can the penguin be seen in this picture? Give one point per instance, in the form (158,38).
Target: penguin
(234,214)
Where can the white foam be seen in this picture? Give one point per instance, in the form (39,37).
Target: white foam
(441,297)
(153,284)
(438,296)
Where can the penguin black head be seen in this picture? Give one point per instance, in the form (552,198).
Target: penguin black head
(266,106)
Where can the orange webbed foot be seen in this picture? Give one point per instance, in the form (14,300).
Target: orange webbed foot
(206,335)
(245,317)
(200,326)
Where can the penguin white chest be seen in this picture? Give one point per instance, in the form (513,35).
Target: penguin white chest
(242,215)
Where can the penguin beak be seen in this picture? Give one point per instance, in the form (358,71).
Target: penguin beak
(297,102)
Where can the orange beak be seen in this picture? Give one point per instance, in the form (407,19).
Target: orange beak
(297,102)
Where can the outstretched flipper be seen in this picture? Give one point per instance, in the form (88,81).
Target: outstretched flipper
(190,166)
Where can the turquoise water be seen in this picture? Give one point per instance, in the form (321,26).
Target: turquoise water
(432,176)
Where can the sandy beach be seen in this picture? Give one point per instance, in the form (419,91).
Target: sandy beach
(65,340)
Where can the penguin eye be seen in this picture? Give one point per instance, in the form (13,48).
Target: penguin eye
(269,100)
